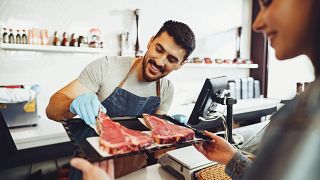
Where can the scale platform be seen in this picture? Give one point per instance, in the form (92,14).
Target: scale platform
(183,163)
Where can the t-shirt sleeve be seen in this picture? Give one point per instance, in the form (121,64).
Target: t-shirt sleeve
(92,75)
(166,96)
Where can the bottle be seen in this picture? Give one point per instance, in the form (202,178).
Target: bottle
(299,88)
(34,36)
(44,37)
(250,87)
(72,40)
(24,39)
(244,88)
(5,36)
(81,41)
(75,41)
(256,89)
(85,42)
(64,40)
(11,37)
(18,37)
(238,88)
(232,88)
(56,41)
(93,43)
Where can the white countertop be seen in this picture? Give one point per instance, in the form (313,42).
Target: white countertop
(47,132)
(242,106)
(256,104)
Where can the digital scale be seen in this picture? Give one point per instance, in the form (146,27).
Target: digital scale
(183,163)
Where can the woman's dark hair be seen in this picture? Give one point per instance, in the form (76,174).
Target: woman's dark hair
(182,35)
(315,25)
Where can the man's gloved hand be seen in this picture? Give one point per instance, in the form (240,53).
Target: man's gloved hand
(87,107)
(180,118)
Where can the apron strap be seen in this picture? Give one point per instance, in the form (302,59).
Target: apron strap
(131,69)
(158,88)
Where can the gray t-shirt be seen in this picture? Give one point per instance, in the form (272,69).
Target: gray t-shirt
(103,75)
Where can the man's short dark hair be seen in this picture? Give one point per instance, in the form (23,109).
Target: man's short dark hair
(182,35)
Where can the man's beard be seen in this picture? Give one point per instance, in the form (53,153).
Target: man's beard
(144,74)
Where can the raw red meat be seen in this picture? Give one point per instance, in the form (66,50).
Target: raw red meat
(167,133)
(117,139)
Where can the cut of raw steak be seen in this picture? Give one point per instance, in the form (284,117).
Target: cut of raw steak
(117,139)
(166,133)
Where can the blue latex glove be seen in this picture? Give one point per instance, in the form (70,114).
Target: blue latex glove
(181,118)
(87,107)
(36,88)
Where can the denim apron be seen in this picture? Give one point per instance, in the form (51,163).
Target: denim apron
(124,103)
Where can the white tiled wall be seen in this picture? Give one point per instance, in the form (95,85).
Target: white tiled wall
(53,70)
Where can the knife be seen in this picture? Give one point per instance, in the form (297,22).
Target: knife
(198,133)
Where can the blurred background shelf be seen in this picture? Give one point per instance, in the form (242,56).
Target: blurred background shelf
(203,65)
(48,48)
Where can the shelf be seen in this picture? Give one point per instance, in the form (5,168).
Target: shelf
(47,48)
(203,65)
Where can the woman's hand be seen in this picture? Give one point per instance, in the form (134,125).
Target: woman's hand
(103,170)
(218,149)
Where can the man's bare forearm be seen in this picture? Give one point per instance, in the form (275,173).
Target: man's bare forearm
(58,107)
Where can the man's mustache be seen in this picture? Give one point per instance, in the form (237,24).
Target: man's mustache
(153,62)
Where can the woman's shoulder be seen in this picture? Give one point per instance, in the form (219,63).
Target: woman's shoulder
(298,112)
(310,98)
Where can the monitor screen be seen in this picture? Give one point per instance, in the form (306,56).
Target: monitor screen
(205,106)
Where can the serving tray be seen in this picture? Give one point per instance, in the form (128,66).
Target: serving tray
(86,140)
